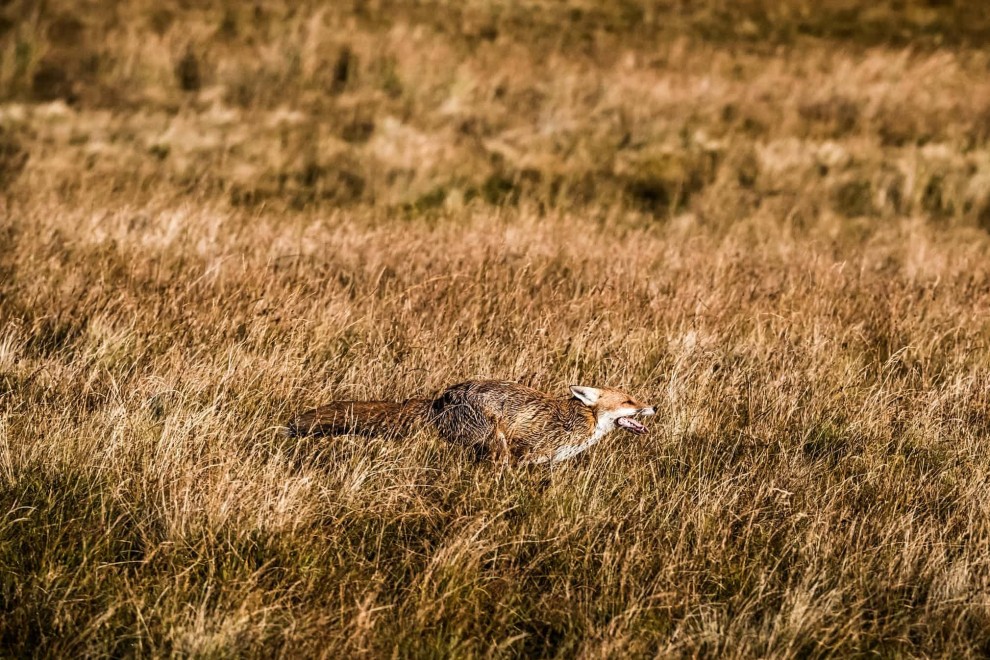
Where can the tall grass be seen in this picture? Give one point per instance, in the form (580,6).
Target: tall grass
(234,214)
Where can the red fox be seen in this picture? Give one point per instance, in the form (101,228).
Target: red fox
(499,419)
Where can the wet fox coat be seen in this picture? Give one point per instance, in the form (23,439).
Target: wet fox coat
(504,420)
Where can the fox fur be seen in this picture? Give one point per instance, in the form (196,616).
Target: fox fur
(502,420)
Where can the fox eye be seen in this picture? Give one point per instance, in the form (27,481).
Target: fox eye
(629,403)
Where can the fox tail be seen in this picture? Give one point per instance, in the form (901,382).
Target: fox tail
(369,418)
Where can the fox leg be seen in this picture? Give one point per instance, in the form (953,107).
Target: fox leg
(500,446)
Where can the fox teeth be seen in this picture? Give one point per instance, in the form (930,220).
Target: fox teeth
(632,425)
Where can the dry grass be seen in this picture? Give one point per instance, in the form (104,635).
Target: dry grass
(211,217)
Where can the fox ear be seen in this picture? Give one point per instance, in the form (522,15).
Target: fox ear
(586,395)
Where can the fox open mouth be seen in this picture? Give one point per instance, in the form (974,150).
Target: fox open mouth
(631,425)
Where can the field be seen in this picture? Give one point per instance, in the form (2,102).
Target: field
(769,219)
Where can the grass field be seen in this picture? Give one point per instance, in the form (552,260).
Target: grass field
(768,219)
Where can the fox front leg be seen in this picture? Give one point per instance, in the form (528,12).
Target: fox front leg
(500,446)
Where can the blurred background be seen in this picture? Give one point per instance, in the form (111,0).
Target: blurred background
(791,109)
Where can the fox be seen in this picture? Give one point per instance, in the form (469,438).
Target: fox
(502,420)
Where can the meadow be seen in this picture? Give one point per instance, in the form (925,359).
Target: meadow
(768,219)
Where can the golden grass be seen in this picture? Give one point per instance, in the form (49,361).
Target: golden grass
(783,248)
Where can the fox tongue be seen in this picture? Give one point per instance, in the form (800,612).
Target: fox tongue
(631,425)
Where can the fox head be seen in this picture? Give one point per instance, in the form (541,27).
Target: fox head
(613,408)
